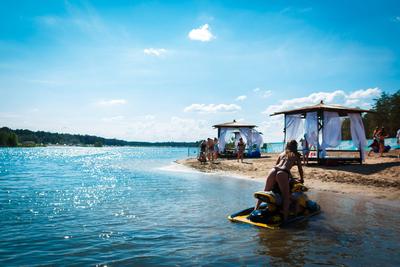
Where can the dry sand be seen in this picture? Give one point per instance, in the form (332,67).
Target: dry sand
(377,177)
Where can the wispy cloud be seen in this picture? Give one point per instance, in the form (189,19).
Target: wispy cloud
(113,119)
(262,93)
(154,51)
(48,20)
(241,98)
(212,108)
(266,93)
(202,34)
(44,82)
(111,102)
(149,117)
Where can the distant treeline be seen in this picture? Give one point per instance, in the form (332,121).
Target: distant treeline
(12,138)
(387,114)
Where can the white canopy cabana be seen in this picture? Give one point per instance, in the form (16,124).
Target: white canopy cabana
(322,127)
(247,131)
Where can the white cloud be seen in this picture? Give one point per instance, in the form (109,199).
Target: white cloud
(370,92)
(241,98)
(255,90)
(361,98)
(154,51)
(212,108)
(202,34)
(112,102)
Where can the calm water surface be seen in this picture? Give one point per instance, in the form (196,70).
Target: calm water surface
(117,206)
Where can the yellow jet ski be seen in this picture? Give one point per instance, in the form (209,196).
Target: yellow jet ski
(268,214)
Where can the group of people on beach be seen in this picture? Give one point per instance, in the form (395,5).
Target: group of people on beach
(209,150)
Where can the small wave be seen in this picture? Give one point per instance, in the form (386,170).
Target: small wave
(175,167)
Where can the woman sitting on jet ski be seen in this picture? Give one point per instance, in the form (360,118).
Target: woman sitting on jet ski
(280,175)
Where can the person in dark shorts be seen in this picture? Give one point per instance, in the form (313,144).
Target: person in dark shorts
(203,148)
(382,135)
(210,149)
(241,146)
(216,149)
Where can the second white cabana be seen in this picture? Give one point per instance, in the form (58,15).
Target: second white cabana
(247,131)
(322,126)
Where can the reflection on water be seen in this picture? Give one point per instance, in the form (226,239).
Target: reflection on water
(116,206)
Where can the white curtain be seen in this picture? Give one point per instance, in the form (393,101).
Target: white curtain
(311,128)
(358,132)
(332,131)
(257,140)
(248,134)
(221,139)
(237,137)
(293,127)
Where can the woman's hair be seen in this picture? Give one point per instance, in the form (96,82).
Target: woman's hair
(291,149)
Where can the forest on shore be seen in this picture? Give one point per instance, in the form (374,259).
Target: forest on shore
(27,138)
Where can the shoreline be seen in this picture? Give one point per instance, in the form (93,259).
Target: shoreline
(377,178)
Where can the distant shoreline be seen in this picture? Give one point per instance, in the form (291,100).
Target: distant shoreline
(377,178)
(28,138)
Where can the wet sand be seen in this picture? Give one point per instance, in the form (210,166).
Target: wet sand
(376,177)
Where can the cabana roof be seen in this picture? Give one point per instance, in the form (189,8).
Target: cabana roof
(234,124)
(343,111)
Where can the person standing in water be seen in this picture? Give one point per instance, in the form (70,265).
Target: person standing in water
(280,175)
(241,147)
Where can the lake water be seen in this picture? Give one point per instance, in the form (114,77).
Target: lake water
(120,206)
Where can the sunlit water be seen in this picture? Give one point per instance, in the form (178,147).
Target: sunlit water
(119,206)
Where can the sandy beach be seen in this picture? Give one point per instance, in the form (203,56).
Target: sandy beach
(377,177)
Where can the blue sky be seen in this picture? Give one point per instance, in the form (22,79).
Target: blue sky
(168,70)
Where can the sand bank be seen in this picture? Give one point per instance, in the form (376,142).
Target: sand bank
(377,177)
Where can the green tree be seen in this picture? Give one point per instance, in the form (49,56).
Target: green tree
(8,138)
(386,114)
